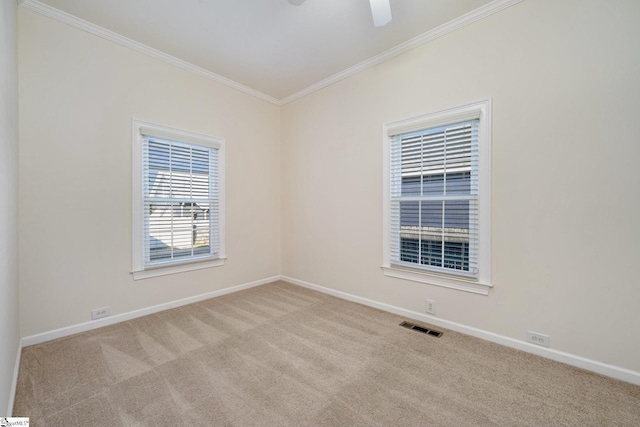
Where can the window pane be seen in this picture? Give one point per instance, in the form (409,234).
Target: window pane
(159,184)
(200,161)
(409,214)
(180,158)
(160,237)
(178,230)
(456,256)
(431,227)
(433,156)
(456,214)
(431,250)
(180,184)
(158,155)
(456,235)
(459,183)
(409,248)
(200,186)
(411,186)
(433,185)
(431,214)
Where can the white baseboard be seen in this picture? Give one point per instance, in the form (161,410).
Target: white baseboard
(612,371)
(106,321)
(14,381)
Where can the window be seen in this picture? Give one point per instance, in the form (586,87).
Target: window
(437,198)
(178,206)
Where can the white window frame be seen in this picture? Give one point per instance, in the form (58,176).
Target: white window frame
(140,130)
(482,282)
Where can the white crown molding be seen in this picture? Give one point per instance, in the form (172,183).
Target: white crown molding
(66,18)
(446,28)
(612,371)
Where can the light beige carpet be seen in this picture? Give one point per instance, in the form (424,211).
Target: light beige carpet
(281,355)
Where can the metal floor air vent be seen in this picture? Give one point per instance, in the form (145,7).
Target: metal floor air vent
(427,331)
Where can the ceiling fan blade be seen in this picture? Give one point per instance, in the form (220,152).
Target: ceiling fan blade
(381,12)
(296,2)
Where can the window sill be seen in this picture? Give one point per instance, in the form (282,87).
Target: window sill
(176,268)
(438,280)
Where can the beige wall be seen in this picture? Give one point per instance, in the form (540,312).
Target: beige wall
(78,94)
(9,331)
(563,78)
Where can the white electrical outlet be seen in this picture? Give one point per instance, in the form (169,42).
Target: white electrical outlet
(430,307)
(100,313)
(536,338)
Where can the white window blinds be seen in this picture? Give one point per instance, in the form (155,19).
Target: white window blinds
(434,198)
(180,201)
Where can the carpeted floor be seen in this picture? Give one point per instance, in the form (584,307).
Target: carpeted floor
(281,355)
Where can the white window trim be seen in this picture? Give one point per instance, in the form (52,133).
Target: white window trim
(139,270)
(481,110)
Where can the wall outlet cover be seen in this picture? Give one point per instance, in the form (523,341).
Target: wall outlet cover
(430,307)
(539,339)
(100,313)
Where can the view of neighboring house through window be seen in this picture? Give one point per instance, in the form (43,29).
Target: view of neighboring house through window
(178,192)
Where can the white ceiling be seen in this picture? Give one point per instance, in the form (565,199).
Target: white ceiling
(268,46)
